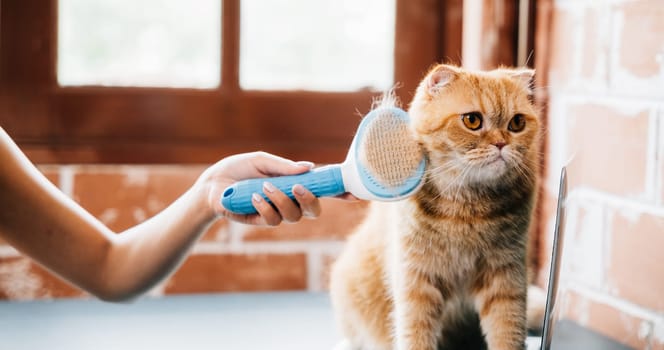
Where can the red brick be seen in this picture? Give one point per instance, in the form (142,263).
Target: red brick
(641,44)
(123,196)
(606,319)
(545,246)
(208,273)
(635,269)
(562,45)
(22,279)
(52,173)
(338,219)
(609,149)
(218,232)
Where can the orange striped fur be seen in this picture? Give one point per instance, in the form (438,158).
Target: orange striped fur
(438,270)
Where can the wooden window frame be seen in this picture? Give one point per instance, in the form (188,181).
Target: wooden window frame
(56,124)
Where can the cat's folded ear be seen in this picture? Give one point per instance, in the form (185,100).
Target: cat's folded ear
(523,76)
(439,77)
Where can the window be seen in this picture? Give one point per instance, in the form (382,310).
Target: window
(326,45)
(162,43)
(287,77)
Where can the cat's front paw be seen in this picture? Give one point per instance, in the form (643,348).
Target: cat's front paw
(536,308)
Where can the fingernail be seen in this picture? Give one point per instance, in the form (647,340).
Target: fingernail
(305,164)
(269,187)
(299,190)
(256,197)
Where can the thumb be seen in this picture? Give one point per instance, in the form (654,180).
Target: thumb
(271,165)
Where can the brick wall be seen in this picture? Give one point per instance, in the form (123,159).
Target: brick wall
(230,257)
(606,115)
(606,120)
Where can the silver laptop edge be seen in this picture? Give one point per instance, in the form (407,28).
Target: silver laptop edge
(543,342)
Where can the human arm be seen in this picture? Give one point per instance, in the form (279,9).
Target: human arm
(43,223)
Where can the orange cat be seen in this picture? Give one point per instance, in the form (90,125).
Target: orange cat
(448,265)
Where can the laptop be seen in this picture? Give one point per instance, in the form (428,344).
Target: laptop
(560,333)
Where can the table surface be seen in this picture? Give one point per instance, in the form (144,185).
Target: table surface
(226,321)
(292,320)
(568,335)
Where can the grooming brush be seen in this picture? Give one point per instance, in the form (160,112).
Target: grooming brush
(384,163)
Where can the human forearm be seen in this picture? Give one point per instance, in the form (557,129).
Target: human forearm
(51,228)
(54,230)
(43,223)
(147,253)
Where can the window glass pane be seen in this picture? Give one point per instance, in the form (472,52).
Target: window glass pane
(162,43)
(338,45)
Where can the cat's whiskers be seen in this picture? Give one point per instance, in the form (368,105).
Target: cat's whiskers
(480,158)
(519,171)
(442,169)
(444,173)
(522,172)
(448,174)
(461,179)
(446,170)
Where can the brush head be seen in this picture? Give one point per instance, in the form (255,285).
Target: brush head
(390,161)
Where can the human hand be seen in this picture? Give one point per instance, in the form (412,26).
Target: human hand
(257,165)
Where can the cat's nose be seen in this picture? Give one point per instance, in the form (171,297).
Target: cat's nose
(500,144)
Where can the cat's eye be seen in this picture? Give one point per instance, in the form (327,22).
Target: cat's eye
(517,123)
(472,120)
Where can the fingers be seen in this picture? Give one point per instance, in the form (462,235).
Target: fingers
(254,219)
(309,204)
(280,207)
(267,213)
(289,211)
(271,165)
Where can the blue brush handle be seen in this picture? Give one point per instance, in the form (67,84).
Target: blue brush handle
(322,182)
